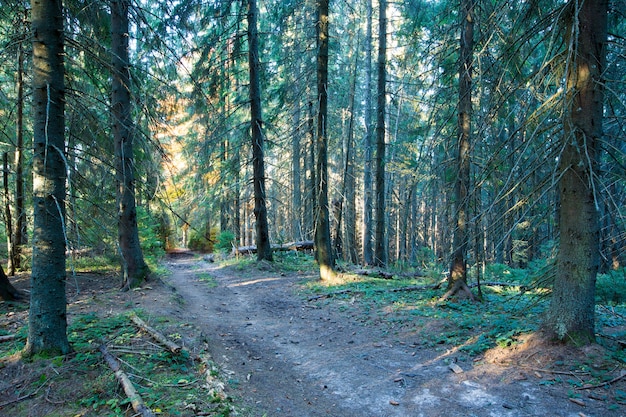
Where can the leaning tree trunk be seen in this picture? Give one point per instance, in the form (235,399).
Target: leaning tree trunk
(264,250)
(457,280)
(571,313)
(323,248)
(47,323)
(380,252)
(134,268)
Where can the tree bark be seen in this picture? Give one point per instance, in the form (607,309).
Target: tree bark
(7,213)
(323,248)
(19,231)
(312,206)
(380,252)
(368,251)
(457,280)
(349,180)
(7,291)
(47,330)
(571,315)
(264,250)
(134,268)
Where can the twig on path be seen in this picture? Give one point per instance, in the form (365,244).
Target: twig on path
(614,380)
(135,399)
(7,338)
(555,372)
(158,336)
(22,398)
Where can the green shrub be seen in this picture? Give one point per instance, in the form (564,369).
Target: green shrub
(152,234)
(611,287)
(225,241)
(202,242)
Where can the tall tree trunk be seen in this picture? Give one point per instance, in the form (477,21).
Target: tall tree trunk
(296,170)
(19,232)
(312,206)
(457,280)
(134,268)
(380,252)
(264,250)
(323,248)
(349,180)
(571,313)
(7,213)
(368,251)
(47,323)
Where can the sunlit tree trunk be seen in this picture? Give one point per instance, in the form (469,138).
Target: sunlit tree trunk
(323,248)
(571,313)
(134,268)
(264,251)
(47,323)
(457,280)
(380,252)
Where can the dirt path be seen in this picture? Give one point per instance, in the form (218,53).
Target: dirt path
(285,356)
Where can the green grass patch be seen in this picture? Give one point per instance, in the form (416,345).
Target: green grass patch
(472,327)
(207,278)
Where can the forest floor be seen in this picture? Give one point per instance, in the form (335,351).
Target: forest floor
(281,352)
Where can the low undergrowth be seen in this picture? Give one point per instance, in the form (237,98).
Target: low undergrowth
(81,384)
(512,305)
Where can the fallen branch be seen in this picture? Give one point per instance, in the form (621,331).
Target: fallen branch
(213,384)
(7,338)
(158,336)
(129,389)
(617,378)
(22,398)
(495,284)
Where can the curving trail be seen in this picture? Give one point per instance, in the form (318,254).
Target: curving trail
(286,356)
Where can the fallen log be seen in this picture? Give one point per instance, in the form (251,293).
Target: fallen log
(158,336)
(292,246)
(135,399)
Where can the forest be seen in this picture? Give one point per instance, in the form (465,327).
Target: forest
(476,142)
